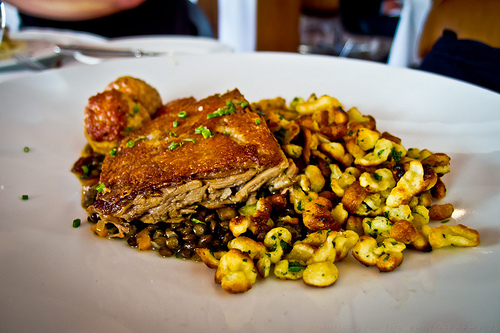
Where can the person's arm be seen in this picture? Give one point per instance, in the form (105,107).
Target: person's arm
(72,10)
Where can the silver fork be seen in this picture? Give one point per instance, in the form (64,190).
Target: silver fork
(29,63)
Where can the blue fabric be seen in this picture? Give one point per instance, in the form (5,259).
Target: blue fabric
(153,17)
(466,60)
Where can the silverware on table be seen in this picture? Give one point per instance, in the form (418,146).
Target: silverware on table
(28,62)
(98,51)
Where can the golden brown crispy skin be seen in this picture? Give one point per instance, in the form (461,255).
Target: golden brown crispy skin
(140,92)
(174,106)
(154,161)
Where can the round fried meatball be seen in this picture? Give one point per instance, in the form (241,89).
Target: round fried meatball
(110,116)
(139,91)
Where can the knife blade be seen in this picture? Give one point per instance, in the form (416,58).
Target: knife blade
(99,51)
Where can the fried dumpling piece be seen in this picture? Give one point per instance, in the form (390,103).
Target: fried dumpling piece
(139,91)
(211,153)
(109,116)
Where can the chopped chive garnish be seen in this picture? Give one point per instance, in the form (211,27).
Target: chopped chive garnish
(189,139)
(24,197)
(243,104)
(229,109)
(128,129)
(85,169)
(136,108)
(76,223)
(445,221)
(172,133)
(197,221)
(226,133)
(112,152)
(218,113)
(131,143)
(182,114)
(257,121)
(203,130)
(173,145)
(26,149)
(175,124)
(100,187)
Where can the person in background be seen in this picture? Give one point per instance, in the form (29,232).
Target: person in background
(115,18)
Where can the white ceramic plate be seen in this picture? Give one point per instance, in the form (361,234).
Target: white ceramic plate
(170,45)
(59,279)
(39,43)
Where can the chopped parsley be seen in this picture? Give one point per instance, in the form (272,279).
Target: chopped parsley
(136,108)
(299,206)
(280,134)
(396,155)
(377,176)
(24,197)
(295,266)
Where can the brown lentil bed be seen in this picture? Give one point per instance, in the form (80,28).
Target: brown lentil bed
(181,240)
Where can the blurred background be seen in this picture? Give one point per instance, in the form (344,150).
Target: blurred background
(457,38)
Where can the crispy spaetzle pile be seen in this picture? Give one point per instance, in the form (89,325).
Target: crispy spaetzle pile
(357,190)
